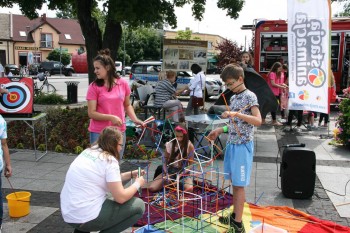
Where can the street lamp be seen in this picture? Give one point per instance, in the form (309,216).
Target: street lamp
(124,54)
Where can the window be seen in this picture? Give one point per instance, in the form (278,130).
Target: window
(22,33)
(138,69)
(210,45)
(274,47)
(335,52)
(67,36)
(46,41)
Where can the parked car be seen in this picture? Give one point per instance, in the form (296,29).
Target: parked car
(14,69)
(55,67)
(118,66)
(147,71)
(127,69)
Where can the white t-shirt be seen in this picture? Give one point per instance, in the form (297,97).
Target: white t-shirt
(197,85)
(3,135)
(85,187)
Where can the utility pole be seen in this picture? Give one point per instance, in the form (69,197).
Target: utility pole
(60,60)
(123,71)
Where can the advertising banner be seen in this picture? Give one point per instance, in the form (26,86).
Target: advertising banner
(179,55)
(309,25)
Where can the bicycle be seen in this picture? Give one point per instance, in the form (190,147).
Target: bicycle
(46,87)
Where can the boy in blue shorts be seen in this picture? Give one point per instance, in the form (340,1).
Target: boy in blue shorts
(244,114)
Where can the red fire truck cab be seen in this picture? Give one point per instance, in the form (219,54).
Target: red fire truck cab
(271,45)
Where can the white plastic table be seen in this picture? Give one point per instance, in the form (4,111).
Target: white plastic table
(31,121)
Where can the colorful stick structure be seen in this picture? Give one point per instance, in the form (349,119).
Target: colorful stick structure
(175,208)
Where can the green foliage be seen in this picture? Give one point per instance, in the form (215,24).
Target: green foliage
(78,150)
(49,99)
(42,147)
(67,11)
(342,133)
(20,146)
(66,130)
(184,35)
(58,149)
(54,55)
(141,43)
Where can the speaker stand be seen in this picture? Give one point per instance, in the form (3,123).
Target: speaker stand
(326,136)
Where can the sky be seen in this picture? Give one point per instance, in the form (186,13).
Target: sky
(215,20)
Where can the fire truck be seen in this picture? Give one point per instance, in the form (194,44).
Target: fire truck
(271,45)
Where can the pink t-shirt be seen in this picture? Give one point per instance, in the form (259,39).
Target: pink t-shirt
(278,80)
(108,103)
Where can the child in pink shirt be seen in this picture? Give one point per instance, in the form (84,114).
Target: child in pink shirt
(275,79)
(108,98)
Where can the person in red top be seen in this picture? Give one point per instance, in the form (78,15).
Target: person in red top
(108,98)
(275,79)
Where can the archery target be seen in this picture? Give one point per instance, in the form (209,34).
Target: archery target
(20,97)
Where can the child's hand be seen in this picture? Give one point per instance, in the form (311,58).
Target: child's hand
(140,123)
(135,173)
(213,135)
(228,114)
(116,121)
(141,180)
(8,171)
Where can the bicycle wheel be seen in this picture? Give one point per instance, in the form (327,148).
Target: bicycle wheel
(47,89)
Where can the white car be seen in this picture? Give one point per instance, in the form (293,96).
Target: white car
(148,72)
(212,86)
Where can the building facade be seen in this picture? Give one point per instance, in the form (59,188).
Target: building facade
(24,41)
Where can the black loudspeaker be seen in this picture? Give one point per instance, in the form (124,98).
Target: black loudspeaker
(298,172)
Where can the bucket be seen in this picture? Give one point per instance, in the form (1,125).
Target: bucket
(18,204)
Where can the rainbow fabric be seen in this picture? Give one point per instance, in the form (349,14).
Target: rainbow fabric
(282,217)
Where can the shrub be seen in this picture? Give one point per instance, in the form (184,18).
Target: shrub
(66,130)
(42,147)
(78,149)
(342,132)
(49,99)
(20,146)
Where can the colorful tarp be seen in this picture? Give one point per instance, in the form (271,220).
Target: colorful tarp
(282,217)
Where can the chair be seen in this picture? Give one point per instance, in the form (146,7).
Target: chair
(198,139)
(147,95)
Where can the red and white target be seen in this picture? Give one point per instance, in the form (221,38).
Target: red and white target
(20,97)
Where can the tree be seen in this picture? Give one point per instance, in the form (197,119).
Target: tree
(184,35)
(346,9)
(134,13)
(229,51)
(56,55)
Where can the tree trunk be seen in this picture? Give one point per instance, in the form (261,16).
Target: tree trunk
(113,32)
(91,32)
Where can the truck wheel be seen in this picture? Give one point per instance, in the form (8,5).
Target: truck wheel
(206,95)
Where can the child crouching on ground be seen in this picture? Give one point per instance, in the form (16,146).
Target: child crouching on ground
(178,155)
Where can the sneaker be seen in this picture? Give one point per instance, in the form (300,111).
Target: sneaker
(235,229)
(298,130)
(276,123)
(226,220)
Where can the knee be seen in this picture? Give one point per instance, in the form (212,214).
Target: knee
(139,206)
(152,189)
(189,188)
